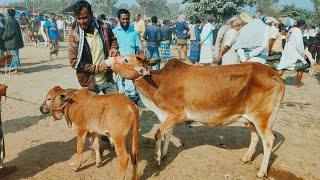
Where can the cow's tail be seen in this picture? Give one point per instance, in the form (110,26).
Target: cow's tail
(281,90)
(135,143)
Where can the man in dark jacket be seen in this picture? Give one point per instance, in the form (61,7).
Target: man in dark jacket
(13,39)
(2,25)
(90,43)
(153,37)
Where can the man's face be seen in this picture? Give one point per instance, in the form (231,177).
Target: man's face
(124,21)
(53,17)
(137,17)
(84,18)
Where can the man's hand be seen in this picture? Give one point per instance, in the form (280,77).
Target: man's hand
(103,68)
(219,58)
(114,52)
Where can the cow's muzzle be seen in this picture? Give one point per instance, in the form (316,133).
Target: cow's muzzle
(44,110)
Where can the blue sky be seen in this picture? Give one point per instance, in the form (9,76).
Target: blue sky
(299,3)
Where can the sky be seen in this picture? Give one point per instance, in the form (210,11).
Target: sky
(299,3)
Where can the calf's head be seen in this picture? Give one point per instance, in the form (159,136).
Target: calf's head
(133,66)
(55,102)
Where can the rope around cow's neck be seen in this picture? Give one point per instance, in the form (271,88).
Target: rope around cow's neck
(56,109)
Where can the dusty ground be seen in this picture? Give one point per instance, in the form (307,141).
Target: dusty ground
(43,149)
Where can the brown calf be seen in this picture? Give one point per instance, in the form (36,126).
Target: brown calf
(112,115)
(214,95)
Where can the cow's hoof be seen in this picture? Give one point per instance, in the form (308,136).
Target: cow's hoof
(261,174)
(75,169)
(98,164)
(246,161)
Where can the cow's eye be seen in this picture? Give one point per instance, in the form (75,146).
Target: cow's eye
(48,99)
(125,60)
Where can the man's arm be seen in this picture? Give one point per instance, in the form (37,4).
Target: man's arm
(145,37)
(271,42)
(219,39)
(73,55)
(47,26)
(159,37)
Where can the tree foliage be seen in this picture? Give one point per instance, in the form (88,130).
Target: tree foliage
(215,8)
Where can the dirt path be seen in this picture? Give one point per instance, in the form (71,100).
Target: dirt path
(42,148)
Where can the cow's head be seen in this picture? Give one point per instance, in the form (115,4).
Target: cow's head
(55,102)
(133,66)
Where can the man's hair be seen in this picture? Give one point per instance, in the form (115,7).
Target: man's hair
(11,12)
(210,20)
(102,17)
(78,6)
(1,15)
(154,19)
(301,22)
(198,21)
(52,14)
(258,14)
(123,11)
(138,14)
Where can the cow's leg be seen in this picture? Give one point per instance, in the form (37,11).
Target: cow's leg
(96,147)
(167,124)
(253,144)
(267,138)
(167,137)
(81,137)
(123,156)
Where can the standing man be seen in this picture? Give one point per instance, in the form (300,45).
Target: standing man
(61,25)
(128,40)
(294,52)
(90,43)
(2,25)
(52,34)
(153,37)
(275,42)
(166,34)
(182,36)
(138,25)
(13,39)
(206,41)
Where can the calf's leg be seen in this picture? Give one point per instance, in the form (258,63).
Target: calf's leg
(167,137)
(81,137)
(96,147)
(123,156)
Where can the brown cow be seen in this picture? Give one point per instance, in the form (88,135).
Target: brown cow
(112,115)
(214,95)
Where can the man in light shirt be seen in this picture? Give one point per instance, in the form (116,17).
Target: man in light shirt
(138,25)
(275,42)
(61,25)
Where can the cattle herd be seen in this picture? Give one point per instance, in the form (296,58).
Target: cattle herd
(250,93)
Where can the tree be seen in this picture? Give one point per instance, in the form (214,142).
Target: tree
(104,6)
(221,8)
(267,6)
(157,8)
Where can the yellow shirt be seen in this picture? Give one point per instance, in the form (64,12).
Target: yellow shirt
(96,49)
(275,34)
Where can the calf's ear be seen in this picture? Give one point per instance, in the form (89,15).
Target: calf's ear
(64,96)
(153,61)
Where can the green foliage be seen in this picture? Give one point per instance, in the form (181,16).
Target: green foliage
(214,8)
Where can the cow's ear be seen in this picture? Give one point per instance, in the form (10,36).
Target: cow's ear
(153,61)
(64,97)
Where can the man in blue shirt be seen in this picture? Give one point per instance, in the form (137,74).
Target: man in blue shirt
(128,41)
(153,37)
(52,34)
